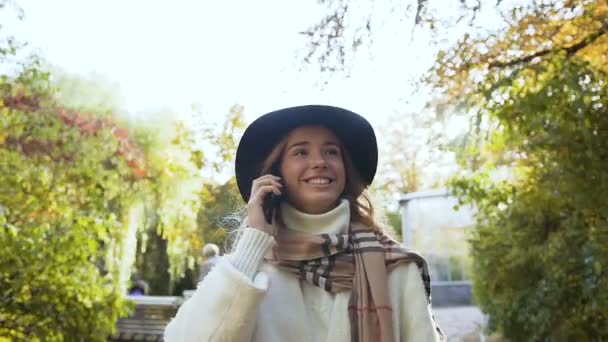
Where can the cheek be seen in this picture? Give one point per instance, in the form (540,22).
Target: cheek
(289,175)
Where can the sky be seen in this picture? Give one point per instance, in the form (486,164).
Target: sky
(215,54)
(218,53)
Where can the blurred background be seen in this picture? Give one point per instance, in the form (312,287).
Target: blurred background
(119,122)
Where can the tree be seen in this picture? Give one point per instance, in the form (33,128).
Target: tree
(546,226)
(61,183)
(218,217)
(413,153)
(538,91)
(185,205)
(80,188)
(92,94)
(349,27)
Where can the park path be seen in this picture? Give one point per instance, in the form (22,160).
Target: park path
(463,323)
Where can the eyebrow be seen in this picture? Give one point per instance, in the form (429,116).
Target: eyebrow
(305,143)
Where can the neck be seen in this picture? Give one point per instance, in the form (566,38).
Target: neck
(335,221)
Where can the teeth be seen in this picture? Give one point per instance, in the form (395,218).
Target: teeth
(318,181)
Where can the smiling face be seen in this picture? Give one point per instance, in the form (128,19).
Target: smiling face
(312,168)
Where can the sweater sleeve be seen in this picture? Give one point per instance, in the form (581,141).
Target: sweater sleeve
(250,250)
(417,322)
(224,305)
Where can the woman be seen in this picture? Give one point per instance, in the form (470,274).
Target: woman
(310,264)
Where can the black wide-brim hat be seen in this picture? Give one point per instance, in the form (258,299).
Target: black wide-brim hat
(258,140)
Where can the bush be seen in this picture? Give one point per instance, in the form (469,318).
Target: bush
(539,248)
(61,191)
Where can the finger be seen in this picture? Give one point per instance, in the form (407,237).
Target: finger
(266,181)
(277,184)
(264,190)
(266,177)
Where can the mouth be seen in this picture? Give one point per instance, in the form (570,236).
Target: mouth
(319,181)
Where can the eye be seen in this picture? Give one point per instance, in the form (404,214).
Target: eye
(333,151)
(299,152)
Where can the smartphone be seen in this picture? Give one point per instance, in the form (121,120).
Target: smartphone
(271,203)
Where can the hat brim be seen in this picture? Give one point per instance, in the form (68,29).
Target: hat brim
(258,140)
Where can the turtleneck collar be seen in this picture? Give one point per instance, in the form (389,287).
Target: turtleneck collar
(335,221)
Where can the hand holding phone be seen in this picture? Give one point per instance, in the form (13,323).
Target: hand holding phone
(266,192)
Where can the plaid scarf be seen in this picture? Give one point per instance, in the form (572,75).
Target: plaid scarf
(358,261)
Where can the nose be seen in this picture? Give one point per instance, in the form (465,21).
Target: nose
(318,161)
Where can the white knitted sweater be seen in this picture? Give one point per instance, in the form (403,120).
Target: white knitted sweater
(245,299)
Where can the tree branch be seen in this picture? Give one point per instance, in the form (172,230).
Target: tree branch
(569,50)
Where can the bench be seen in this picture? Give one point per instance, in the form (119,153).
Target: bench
(147,322)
